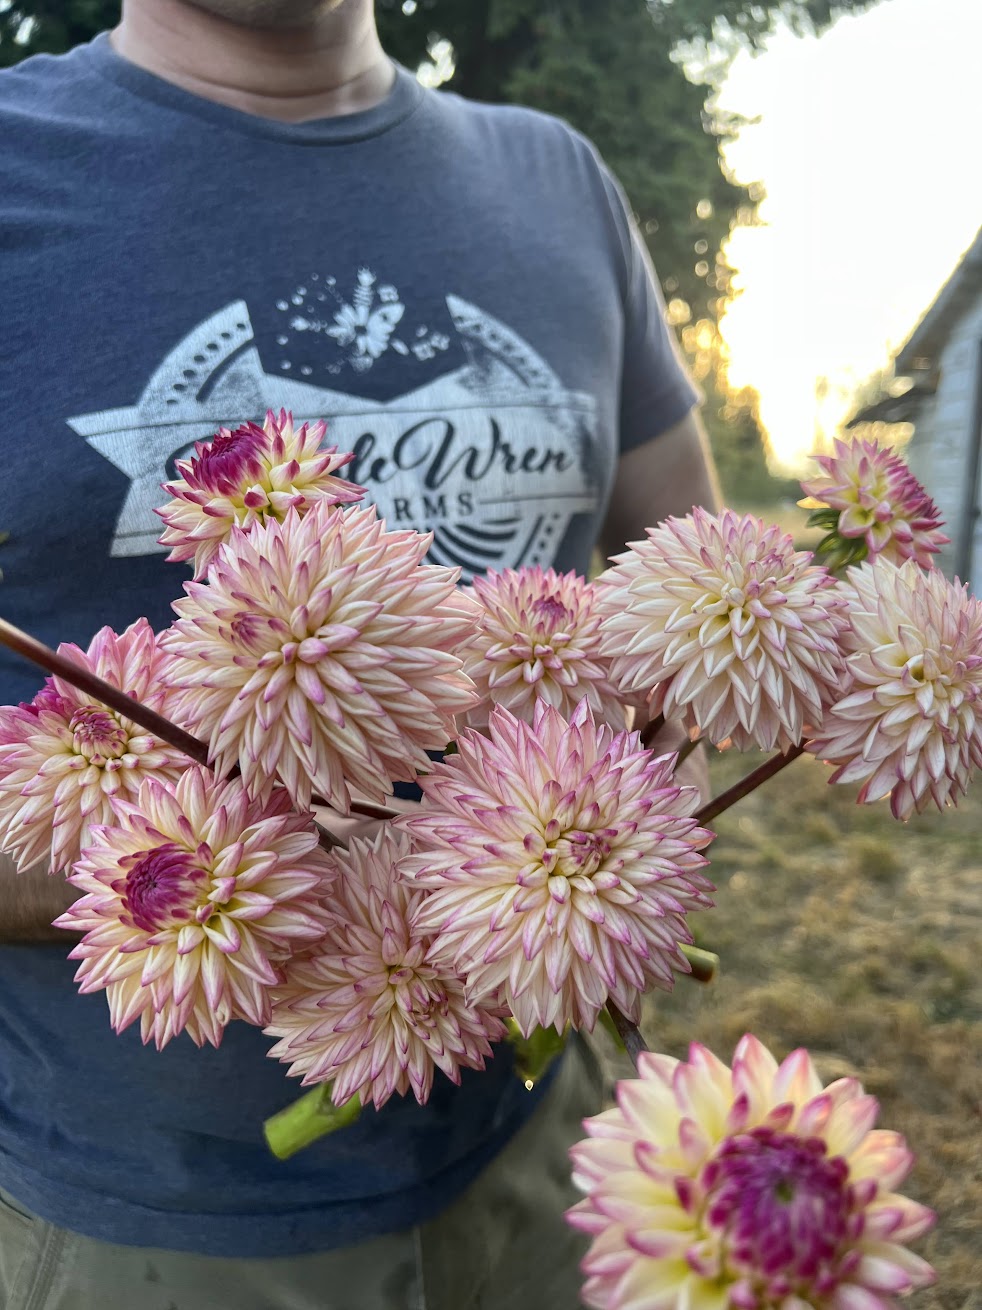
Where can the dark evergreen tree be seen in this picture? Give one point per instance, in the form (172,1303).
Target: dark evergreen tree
(34,27)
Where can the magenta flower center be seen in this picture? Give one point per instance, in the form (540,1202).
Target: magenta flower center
(780,1210)
(97,735)
(421,998)
(550,612)
(248,629)
(162,887)
(580,853)
(231,460)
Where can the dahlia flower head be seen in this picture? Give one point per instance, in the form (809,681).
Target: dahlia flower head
(561,860)
(879,500)
(65,758)
(193,900)
(250,475)
(538,639)
(751,1188)
(721,623)
(319,654)
(367,1007)
(910,724)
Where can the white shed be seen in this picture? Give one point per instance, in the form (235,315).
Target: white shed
(943,357)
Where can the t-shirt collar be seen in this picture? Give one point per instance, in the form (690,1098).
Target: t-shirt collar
(404,98)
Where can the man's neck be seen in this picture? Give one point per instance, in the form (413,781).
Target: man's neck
(335,66)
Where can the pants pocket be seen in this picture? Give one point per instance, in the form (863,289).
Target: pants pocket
(18,1252)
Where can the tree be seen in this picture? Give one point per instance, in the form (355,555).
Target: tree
(33,27)
(615,71)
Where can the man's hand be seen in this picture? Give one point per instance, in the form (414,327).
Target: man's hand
(30,901)
(345,827)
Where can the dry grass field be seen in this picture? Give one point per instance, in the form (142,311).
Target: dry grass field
(859,937)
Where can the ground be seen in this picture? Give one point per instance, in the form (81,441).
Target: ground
(859,937)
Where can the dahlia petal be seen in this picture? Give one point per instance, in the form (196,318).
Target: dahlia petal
(852,1297)
(734,656)
(881,1275)
(371,1007)
(911,665)
(252,475)
(308,682)
(148,913)
(685,1200)
(75,759)
(879,499)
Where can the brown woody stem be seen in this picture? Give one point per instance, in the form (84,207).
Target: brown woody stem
(628,1032)
(327,840)
(686,749)
(651,730)
(36,651)
(369,810)
(747,784)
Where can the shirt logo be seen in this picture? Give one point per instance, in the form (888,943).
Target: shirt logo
(494,457)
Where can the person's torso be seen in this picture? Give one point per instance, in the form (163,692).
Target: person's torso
(441,283)
(444,292)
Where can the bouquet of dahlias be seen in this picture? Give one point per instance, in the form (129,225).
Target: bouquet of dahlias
(544,881)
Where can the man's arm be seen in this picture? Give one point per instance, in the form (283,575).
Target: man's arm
(30,901)
(667,475)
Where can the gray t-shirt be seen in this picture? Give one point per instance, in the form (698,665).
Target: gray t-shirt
(457,289)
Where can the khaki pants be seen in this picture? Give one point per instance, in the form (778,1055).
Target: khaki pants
(502,1246)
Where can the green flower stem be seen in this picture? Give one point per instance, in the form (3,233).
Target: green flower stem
(705,965)
(536,1053)
(306,1120)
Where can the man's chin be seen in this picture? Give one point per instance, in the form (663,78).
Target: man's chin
(274,15)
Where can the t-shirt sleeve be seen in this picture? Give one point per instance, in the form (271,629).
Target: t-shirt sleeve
(656,390)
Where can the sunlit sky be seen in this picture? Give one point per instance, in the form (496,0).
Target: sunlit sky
(868,148)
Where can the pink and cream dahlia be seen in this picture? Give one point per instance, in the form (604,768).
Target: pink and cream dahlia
(192,903)
(367,1007)
(910,723)
(561,861)
(250,475)
(538,639)
(319,654)
(880,500)
(65,758)
(720,621)
(746,1189)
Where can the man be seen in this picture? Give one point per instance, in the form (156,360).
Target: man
(226,205)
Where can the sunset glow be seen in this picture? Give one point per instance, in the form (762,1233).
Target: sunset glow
(867,150)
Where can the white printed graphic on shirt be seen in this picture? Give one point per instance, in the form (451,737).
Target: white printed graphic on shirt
(494,456)
(363,327)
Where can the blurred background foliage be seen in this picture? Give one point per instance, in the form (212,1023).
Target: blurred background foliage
(638,78)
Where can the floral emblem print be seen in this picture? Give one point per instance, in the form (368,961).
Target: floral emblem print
(365,326)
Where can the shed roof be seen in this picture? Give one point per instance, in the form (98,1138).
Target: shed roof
(895,409)
(928,338)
